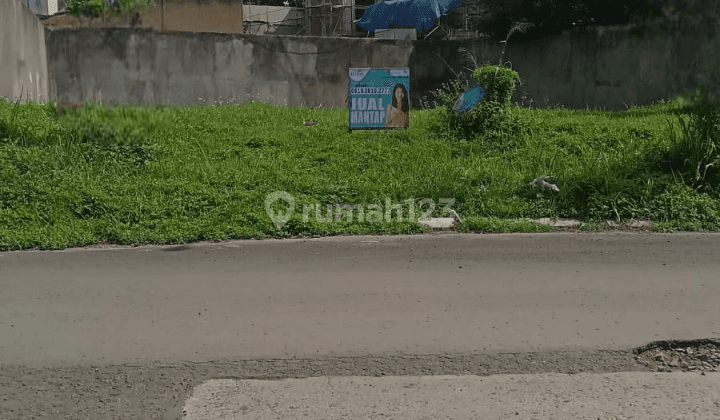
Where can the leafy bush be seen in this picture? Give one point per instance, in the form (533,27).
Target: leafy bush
(109,8)
(499,83)
(129,7)
(89,8)
(493,120)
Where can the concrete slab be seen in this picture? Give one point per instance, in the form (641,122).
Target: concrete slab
(547,396)
(560,222)
(634,223)
(438,222)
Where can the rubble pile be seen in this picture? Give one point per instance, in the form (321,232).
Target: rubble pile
(681,356)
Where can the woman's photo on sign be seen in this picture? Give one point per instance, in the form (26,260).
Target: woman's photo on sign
(397,114)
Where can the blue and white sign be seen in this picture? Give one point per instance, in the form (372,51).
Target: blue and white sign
(379,98)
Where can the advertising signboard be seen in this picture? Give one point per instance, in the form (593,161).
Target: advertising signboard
(379,98)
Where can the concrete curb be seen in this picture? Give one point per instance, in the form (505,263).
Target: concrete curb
(438,223)
(546,396)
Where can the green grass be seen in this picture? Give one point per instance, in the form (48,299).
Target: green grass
(141,174)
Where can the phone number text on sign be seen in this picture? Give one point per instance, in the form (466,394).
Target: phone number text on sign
(370,91)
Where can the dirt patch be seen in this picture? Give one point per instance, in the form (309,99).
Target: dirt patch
(157,391)
(680,356)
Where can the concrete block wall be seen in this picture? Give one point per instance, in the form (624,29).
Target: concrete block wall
(143,66)
(606,68)
(23,57)
(617,67)
(609,68)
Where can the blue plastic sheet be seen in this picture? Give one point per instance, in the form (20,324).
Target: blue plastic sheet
(417,14)
(469,99)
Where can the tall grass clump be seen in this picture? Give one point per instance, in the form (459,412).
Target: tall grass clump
(122,130)
(694,155)
(28,124)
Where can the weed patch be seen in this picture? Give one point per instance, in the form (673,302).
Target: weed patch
(75,175)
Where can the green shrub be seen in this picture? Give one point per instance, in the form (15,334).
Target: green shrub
(499,83)
(493,120)
(129,7)
(117,8)
(89,8)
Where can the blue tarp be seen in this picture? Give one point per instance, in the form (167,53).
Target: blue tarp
(469,99)
(418,14)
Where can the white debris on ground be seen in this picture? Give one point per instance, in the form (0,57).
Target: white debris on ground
(441,223)
(560,222)
(454,215)
(540,182)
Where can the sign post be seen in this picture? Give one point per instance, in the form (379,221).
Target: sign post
(379,98)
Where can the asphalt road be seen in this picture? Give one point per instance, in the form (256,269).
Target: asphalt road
(425,294)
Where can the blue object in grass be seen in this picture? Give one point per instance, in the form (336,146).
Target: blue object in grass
(417,14)
(469,99)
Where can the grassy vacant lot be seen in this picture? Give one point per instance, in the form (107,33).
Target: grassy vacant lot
(132,174)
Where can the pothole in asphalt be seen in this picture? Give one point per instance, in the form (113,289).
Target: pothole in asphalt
(680,355)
